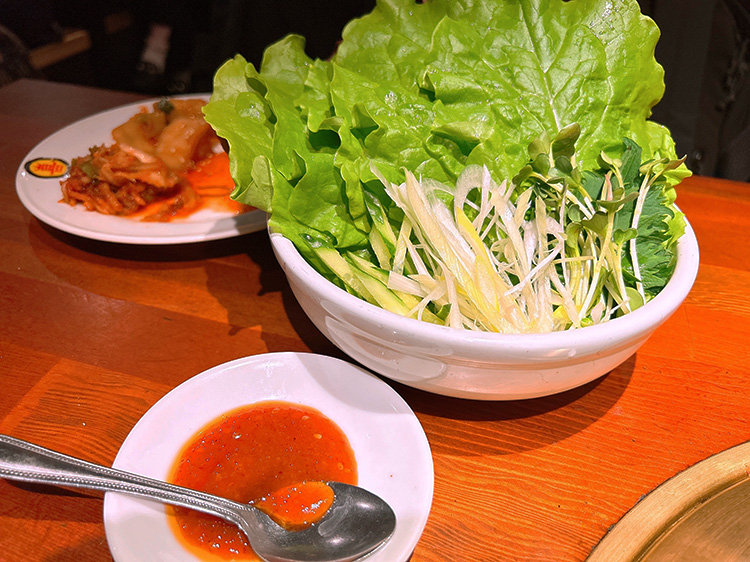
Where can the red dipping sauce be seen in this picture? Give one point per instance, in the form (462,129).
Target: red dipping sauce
(260,452)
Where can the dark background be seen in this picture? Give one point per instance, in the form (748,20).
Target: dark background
(704,48)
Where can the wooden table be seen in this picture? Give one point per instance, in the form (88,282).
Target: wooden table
(92,334)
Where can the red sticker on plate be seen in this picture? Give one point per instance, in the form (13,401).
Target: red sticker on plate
(47,167)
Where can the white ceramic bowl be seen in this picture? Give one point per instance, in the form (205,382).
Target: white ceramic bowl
(467,364)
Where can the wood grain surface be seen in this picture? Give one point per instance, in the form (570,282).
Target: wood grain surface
(92,334)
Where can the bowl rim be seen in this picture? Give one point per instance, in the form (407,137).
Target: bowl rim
(636,323)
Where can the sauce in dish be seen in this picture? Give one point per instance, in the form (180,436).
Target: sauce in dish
(274,454)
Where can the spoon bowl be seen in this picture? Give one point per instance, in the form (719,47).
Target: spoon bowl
(356,523)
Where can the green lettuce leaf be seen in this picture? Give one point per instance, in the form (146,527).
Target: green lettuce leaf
(431,88)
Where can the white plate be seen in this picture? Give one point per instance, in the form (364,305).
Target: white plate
(392,453)
(41,196)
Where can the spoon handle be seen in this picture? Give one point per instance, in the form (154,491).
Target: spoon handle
(27,462)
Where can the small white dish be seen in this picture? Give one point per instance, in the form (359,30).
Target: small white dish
(391,450)
(41,195)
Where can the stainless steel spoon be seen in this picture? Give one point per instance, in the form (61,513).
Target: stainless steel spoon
(356,523)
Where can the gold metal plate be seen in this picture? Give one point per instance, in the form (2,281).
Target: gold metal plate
(700,515)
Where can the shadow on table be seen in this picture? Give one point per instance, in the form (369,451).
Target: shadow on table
(167,253)
(234,287)
(273,279)
(55,503)
(86,550)
(516,425)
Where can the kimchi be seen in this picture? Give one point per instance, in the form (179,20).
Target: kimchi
(152,165)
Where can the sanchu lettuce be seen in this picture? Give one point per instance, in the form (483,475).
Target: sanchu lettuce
(551,96)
